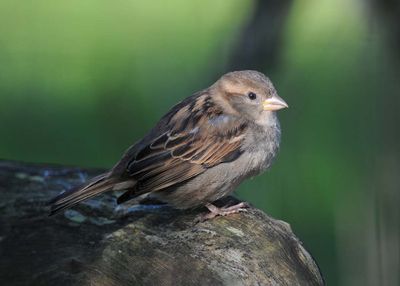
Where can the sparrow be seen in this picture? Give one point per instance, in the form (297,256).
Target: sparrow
(198,152)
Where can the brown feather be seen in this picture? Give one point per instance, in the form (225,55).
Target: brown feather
(191,145)
(95,186)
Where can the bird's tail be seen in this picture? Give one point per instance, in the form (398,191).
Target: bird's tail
(95,186)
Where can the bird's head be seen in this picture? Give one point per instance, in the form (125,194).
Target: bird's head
(248,93)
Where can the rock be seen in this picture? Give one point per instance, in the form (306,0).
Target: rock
(98,243)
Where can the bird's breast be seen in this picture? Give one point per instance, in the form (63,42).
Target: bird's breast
(262,148)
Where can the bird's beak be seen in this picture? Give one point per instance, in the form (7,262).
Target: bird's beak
(274,103)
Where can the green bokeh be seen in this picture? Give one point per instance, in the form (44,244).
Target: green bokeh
(82,80)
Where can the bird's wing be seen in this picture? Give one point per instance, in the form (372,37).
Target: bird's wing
(197,136)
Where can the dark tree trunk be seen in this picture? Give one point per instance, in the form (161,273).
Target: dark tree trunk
(259,43)
(388,14)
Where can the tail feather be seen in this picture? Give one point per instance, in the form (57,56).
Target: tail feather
(95,186)
(125,197)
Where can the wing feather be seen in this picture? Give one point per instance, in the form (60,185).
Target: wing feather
(193,141)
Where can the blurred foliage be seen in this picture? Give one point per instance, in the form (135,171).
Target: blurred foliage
(82,80)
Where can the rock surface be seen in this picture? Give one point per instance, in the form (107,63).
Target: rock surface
(98,243)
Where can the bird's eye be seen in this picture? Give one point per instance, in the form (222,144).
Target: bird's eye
(252,95)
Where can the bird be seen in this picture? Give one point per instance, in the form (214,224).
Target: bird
(199,151)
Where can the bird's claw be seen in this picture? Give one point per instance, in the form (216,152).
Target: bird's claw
(224,211)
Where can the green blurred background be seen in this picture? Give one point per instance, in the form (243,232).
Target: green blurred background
(82,80)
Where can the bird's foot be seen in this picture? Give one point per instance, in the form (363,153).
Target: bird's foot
(216,211)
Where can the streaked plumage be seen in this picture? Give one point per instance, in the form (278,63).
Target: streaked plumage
(200,150)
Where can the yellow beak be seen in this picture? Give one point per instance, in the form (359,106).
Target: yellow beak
(274,103)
